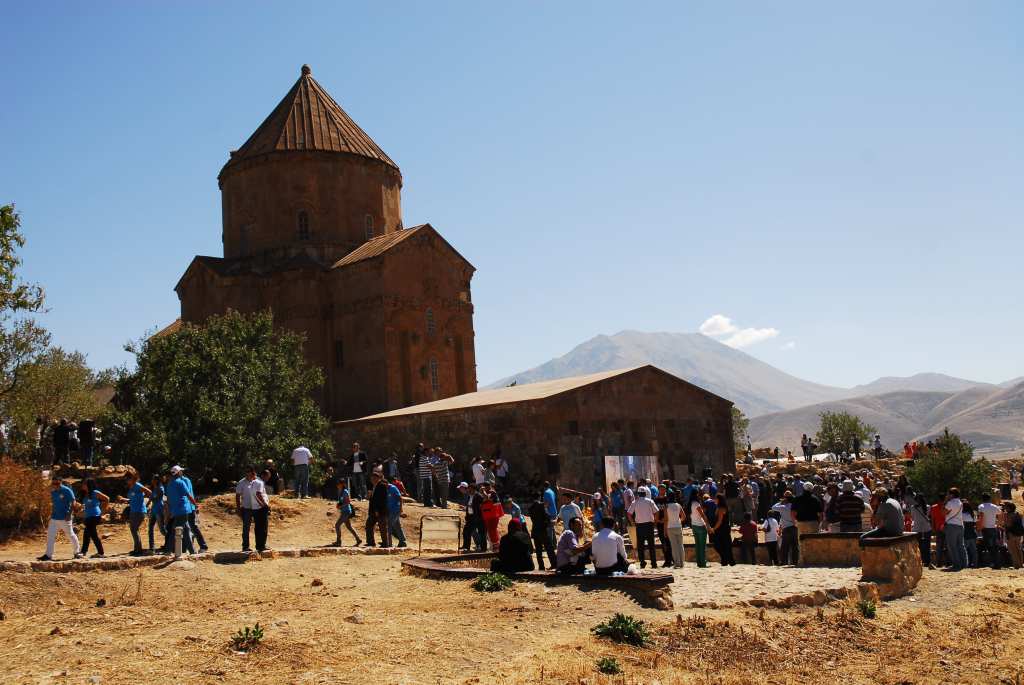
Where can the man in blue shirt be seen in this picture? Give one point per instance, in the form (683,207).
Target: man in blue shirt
(179,503)
(395,514)
(63,499)
(137,494)
(551,507)
(192,509)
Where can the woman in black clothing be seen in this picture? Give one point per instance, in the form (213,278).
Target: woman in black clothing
(721,534)
(93,504)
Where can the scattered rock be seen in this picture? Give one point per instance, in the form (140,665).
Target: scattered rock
(3,616)
(182,565)
(101,602)
(317,582)
(279,623)
(356,618)
(95,679)
(57,631)
(60,602)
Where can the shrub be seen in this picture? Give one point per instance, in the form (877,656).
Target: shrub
(950,463)
(492,582)
(24,497)
(247,639)
(623,629)
(867,608)
(609,665)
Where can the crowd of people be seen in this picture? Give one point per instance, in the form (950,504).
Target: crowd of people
(54,442)
(735,515)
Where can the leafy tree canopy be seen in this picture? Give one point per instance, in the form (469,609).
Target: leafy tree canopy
(740,426)
(219,396)
(56,384)
(21,339)
(950,463)
(838,429)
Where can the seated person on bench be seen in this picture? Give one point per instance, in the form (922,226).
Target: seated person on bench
(608,549)
(514,551)
(571,557)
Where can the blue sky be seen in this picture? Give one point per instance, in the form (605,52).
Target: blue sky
(844,181)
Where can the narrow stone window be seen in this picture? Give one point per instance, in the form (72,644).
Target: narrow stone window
(303,225)
(431,326)
(435,384)
(369,226)
(339,354)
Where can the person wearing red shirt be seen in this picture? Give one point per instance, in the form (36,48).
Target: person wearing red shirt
(938,516)
(492,511)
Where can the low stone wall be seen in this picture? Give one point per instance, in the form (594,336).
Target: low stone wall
(647,589)
(830,549)
(893,564)
(128,562)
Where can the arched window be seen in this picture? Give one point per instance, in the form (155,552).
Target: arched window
(431,326)
(369,226)
(303,225)
(435,385)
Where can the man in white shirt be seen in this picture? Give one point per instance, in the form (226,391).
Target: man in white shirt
(501,472)
(641,512)
(254,508)
(608,549)
(301,457)
(478,471)
(569,511)
(954,530)
(988,519)
(357,467)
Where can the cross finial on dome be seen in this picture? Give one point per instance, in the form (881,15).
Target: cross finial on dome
(306,71)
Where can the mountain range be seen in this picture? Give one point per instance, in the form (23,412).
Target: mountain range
(782,406)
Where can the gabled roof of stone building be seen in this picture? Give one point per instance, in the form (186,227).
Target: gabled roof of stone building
(250,266)
(519,393)
(309,119)
(376,247)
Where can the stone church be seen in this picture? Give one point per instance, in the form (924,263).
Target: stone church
(312,230)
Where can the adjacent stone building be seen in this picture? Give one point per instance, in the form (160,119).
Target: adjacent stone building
(562,429)
(312,229)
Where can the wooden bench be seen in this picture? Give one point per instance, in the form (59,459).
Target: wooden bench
(648,589)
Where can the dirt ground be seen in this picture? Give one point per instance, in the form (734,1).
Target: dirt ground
(358,619)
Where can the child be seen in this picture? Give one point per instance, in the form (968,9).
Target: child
(771,536)
(748,540)
(345,514)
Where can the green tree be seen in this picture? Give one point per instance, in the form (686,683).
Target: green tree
(218,396)
(740,426)
(56,384)
(950,463)
(21,338)
(839,428)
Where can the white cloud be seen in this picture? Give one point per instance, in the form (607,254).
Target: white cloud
(719,326)
(791,345)
(750,336)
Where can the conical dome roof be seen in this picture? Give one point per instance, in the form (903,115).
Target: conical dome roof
(309,119)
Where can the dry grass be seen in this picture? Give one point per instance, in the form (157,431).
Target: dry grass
(369,623)
(24,498)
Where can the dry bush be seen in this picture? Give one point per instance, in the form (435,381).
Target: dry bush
(24,498)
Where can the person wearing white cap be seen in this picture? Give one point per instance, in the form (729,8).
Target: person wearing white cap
(178,502)
(642,513)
